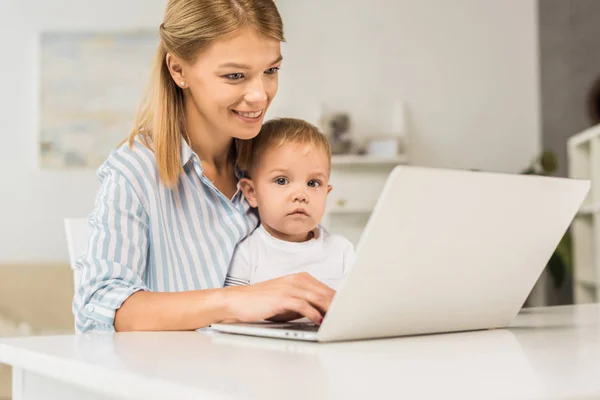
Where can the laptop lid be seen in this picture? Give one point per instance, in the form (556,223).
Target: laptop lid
(451,250)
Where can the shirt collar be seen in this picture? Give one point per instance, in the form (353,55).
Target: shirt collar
(185,152)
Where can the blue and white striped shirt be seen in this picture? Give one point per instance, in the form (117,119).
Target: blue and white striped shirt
(146,236)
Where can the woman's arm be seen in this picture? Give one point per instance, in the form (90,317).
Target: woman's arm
(298,294)
(116,255)
(113,296)
(153,311)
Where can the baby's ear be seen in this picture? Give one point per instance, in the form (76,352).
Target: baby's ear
(247,187)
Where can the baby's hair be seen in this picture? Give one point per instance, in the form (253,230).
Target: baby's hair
(276,133)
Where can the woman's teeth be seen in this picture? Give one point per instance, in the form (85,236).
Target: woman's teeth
(249,114)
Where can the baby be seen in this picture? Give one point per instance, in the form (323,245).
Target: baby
(287,170)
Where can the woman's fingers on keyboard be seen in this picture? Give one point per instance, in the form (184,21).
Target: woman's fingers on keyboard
(304,308)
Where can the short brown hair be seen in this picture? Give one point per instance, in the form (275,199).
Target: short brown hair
(276,133)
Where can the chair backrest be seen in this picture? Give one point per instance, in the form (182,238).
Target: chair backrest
(77,231)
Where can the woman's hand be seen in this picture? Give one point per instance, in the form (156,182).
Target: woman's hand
(282,299)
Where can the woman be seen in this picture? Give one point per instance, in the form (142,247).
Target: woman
(168,214)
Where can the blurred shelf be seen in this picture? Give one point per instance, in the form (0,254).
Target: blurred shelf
(584,138)
(353,159)
(589,282)
(583,151)
(589,209)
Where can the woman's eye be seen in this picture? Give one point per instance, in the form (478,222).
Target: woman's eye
(234,77)
(281,181)
(314,183)
(272,71)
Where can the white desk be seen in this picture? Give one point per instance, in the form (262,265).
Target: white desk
(547,353)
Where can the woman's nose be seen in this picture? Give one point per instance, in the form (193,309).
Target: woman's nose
(256,92)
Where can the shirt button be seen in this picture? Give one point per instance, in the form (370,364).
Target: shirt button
(90,308)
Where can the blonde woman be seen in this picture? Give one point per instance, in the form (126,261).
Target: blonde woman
(169,213)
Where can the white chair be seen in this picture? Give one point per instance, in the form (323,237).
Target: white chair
(78,231)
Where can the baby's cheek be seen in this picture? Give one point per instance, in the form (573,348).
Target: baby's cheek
(273,212)
(322,200)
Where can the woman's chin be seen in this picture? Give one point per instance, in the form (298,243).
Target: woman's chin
(245,137)
(245,134)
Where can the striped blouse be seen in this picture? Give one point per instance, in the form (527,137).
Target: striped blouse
(146,236)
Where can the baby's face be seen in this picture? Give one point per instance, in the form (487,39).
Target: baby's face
(290,185)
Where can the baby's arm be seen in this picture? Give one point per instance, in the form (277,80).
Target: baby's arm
(240,268)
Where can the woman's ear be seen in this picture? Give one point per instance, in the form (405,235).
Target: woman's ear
(329,187)
(247,187)
(176,70)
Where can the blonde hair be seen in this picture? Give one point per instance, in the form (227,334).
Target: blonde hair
(190,26)
(275,133)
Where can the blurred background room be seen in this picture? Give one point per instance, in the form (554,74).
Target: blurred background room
(508,86)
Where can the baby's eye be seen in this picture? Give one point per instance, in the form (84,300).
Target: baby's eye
(281,181)
(314,183)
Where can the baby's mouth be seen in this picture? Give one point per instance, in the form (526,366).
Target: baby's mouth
(299,211)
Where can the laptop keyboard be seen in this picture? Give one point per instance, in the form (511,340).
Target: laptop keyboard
(305,327)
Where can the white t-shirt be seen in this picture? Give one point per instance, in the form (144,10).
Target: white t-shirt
(261,257)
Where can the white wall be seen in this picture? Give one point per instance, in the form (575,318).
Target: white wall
(466,68)
(33,201)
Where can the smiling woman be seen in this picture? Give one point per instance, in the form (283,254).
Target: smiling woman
(169,214)
(226,99)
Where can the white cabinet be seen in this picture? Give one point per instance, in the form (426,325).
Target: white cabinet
(584,162)
(357,182)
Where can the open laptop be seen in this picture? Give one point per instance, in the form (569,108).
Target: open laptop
(443,251)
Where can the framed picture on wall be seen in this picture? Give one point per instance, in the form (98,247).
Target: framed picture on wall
(90,87)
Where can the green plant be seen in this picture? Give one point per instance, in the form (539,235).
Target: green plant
(560,264)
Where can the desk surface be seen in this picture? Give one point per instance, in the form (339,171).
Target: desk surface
(547,353)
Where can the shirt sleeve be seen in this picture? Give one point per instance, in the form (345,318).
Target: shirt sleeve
(115,258)
(240,268)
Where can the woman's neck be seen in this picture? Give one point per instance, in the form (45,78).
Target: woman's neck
(211,146)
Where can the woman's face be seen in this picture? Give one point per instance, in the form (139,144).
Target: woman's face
(231,83)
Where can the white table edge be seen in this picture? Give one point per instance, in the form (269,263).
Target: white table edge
(88,376)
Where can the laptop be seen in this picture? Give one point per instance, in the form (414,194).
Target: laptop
(443,251)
